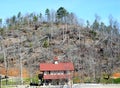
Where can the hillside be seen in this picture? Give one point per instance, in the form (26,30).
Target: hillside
(95,53)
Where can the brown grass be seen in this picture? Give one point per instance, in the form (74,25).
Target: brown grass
(14,72)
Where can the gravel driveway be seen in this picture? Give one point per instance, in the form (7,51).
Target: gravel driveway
(96,86)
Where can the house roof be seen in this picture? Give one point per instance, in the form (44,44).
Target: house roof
(65,76)
(56,67)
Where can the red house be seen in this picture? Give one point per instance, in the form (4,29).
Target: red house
(57,72)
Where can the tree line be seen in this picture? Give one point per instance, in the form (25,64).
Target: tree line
(59,16)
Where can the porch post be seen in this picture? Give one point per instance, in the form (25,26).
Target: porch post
(44,82)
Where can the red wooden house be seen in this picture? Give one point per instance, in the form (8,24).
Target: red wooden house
(57,72)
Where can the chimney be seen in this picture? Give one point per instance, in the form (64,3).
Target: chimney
(55,60)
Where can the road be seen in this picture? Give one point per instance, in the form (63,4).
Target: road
(96,86)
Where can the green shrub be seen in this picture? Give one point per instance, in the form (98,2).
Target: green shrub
(45,44)
(76,80)
(104,81)
(93,34)
(34,79)
(1,31)
(31,44)
(116,81)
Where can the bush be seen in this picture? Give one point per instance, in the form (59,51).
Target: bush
(116,81)
(93,34)
(45,44)
(109,81)
(88,80)
(76,80)
(34,79)
(1,31)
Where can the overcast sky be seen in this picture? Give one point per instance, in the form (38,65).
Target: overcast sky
(85,9)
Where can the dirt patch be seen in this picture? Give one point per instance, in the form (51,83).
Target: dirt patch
(116,75)
(15,72)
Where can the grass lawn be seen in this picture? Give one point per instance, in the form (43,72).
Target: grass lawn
(9,86)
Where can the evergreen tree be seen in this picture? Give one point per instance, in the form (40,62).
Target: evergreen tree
(61,14)
(19,15)
(0,22)
(13,20)
(102,27)
(40,17)
(95,25)
(35,18)
(47,13)
(88,24)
